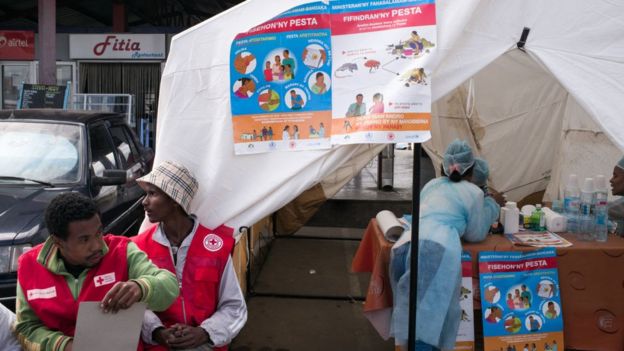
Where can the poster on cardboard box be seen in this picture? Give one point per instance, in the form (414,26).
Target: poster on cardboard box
(520,301)
(381,70)
(280,83)
(465,334)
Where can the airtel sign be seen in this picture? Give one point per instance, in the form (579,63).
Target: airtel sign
(117,46)
(17,45)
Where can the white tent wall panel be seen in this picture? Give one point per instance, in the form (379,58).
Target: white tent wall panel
(448,123)
(520,109)
(598,91)
(585,151)
(512,114)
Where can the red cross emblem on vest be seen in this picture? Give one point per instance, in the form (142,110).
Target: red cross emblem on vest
(104,279)
(213,242)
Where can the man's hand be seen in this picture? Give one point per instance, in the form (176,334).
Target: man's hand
(121,296)
(163,336)
(69,346)
(187,337)
(498,197)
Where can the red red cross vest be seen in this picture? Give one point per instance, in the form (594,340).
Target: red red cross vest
(49,295)
(201,277)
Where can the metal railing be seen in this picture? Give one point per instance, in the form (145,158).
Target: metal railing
(119,103)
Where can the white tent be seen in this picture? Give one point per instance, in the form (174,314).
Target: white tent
(535,115)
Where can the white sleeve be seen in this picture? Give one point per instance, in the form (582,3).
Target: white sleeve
(231,313)
(150,323)
(7,339)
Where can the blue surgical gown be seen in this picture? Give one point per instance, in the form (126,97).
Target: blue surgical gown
(449,211)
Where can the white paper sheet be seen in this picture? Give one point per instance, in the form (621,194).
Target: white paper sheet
(98,331)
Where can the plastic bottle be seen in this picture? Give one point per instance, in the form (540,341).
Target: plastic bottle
(571,201)
(586,219)
(538,222)
(526,221)
(511,218)
(600,209)
(527,211)
(557,206)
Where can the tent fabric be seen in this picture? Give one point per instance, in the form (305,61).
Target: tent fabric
(194,128)
(509,111)
(516,108)
(536,115)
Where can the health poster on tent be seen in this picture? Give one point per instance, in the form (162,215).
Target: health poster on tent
(520,301)
(381,76)
(465,334)
(280,77)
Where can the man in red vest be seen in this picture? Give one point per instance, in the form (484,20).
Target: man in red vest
(211,309)
(78,263)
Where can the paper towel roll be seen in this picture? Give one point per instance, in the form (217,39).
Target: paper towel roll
(390,225)
(555,222)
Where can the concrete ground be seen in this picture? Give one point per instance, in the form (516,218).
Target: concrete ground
(282,324)
(305,298)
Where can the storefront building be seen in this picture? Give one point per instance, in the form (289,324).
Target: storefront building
(112,65)
(120,63)
(97,48)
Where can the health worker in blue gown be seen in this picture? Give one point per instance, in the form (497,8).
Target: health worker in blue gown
(452,208)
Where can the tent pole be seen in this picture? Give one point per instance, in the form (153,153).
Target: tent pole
(411,343)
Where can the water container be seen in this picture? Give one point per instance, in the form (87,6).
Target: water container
(571,199)
(600,209)
(586,219)
(557,206)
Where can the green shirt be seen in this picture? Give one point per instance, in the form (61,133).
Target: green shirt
(356,110)
(159,287)
(289,61)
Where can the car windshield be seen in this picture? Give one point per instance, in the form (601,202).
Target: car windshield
(39,153)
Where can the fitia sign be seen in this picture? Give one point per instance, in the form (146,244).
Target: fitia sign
(118,46)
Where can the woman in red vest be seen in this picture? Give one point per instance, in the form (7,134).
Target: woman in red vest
(211,309)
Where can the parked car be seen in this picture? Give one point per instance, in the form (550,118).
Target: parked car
(47,152)
(401,146)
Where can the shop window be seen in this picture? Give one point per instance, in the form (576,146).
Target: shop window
(64,74)
(12,78)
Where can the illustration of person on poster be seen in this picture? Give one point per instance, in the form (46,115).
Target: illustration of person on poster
(465,334)
(280,75)
(521,305)
(381,85)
